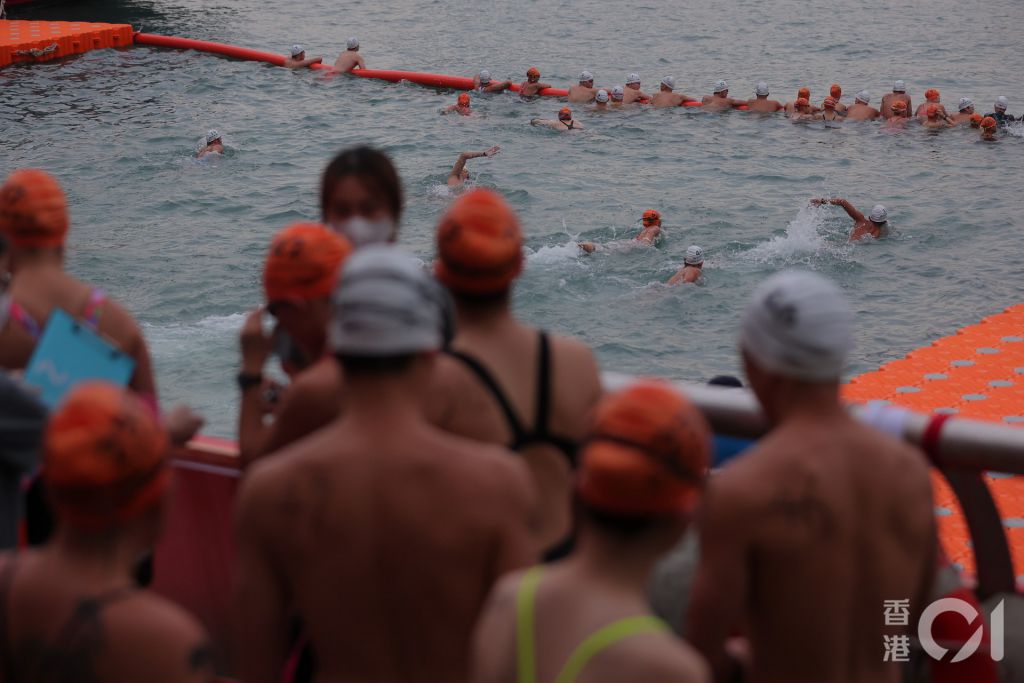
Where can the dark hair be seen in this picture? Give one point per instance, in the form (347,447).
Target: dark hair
(3,244)
(619,526)
(371,166)
(725,381)
(375,365)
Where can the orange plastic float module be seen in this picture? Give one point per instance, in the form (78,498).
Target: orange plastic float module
(976,373)
(40,41)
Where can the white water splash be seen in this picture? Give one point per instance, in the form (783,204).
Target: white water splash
(187,334)
(555,254)
(1015,129)
(805,237)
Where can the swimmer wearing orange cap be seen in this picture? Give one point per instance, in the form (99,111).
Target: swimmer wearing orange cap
(898,94)
(899,117)
(563,124)
(934,118)
(988,126)
(802,111)
(532,85)
(459,175)
(34,218)
(836,93)
(302,266)
(650,232)
(640,481)
(106,475)
(829,112)
(802,93)
(462,107)
(976,120)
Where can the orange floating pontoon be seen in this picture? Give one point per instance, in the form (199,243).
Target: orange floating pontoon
(40,41)
(977,373)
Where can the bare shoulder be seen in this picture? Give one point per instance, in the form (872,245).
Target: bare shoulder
(576,358)
(664,658)
(160,638)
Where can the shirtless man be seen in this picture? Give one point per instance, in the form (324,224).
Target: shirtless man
(459,175)
(761,103)
(900,116)
(804,93)
(380,532)
(931,96)
(462,106)
(988,126)
(874,224)
(584,91)
(564,123)
(71,609)
(836,92)
(532,85)
(935,118)
(633,94)
(214,145)
(1000,115)
(898,94)
(500,374)
(821,520)
(601,100)
(693,264)
(861,110)
(721,101)
(618,96)
(298,60)
(965,109)
(483,82)
(639,483)
(350,59)
(667,97)
(650,232)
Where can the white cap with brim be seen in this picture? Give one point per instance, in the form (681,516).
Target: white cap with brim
(721,86)
(899,86)
(618,92)
(485,76)
(297,50)
(385,304)
(694,256)
(353,43)
(586,77)
(212,135)
(863,96)
(632,78)
(669,82)
(1002,103)
(602,96)
(878,214)
(762,89)
(965,103)
(798,325)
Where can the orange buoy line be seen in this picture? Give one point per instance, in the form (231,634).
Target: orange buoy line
(977,373)
(40,41)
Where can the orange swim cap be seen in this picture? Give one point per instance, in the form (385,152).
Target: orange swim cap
(564,113)
(464,100)
(647,453)
(805,93)
(33,210)
(479,244)
(988,122)
(931,94)
(836,91)
(976,120)
(533,72)
(829,103)
(303,262)
(651,215)
(899,106)
(103,457)
(802,102)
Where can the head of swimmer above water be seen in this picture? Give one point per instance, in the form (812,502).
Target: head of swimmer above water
(618,93)
(651,218)
(633,81)
(353,44)
(899,109)
(802,104)
(533,75)
(463,101)
(361,196)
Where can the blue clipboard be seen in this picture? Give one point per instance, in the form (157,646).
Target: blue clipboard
(70,352)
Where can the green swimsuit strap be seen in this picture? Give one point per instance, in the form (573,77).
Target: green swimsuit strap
(605,638)
(526,660)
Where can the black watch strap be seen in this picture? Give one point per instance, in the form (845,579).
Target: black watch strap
(248,380)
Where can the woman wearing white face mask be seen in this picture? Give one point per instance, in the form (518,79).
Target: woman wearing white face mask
(361,196)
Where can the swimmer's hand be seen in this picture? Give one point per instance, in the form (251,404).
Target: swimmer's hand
(820,201)
(182,424)
(256,346)
(588,247)
(492,151)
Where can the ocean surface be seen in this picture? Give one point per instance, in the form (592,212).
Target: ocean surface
(181,242)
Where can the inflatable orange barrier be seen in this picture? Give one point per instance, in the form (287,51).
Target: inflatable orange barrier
(41,41)
(208,46)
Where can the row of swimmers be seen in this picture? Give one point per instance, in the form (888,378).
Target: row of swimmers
(445,493)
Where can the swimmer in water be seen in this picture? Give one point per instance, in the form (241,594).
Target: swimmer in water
(934,118)
(298,59)
(989,126)
(816,495)
(805,93)
(650,232)
(861,109)
(874,224)
(588,618)
(667,96)
(829,112)
(532,85)
(836,93)
(601,100)
(633,94)
(898,94)
(899,117)
(966,111)
(459,175)
(1000,115)
(483,83)
(761,103)
(350,59)
(462,107)
(721,101)
(564,123)
(802,111)
(214,145)
(931,96)
(693,264)
(976,120)
(584,91)
(618,94)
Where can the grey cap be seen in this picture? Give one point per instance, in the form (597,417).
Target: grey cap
(878,214)
(353,43)
(212,135)
(618,92)
(694,256)
(863,96)
(632,78)
(762,89)
(965,103)
(586,77)
(1002,103)
(669,82)
(297,50)
(485,76)
(721,86)
(385,304)
(899,86)
(602,96)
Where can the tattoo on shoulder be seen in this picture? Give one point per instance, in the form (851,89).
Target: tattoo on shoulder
(800,504)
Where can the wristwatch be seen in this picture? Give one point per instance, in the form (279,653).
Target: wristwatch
(248,380)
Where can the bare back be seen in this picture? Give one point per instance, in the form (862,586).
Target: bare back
(889,99)
(861,112)
(763,106)
(348,60)
(666,99)
(581,94)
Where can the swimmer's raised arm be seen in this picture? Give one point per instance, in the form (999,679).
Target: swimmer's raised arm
(851,211)
(460,163)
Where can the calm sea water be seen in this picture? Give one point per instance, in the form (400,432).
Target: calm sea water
(181,242)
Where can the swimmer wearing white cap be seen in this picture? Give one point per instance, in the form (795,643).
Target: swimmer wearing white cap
(584,91)
(601,100)
(350,59)
(874,224)
(861,109)
(898,94)
(667,96)
(633,94)
(721,101)
(761,103)
(214,144)
(618,95)
(693,264)
(965,109)
(1000,115)
(483,82)
(817,492)
(298,60)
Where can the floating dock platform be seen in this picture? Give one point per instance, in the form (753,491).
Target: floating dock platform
(41,41)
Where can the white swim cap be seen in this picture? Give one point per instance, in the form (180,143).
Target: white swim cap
(694,256)
(669,82)
(762,89)
(586,76)
(798,325)
(899,86)
(386,304)
(485,76)
(1002,103)
(863,96)
(965,103)
(297,50)
(353,43)
(721,86)
(212,135)
(632,78)
(618,92)
(602,96)
(878,214)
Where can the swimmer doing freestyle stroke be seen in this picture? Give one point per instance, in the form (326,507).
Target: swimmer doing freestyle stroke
(874,224)
(565,122)
(693,267)
(650,232)
(459,175)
